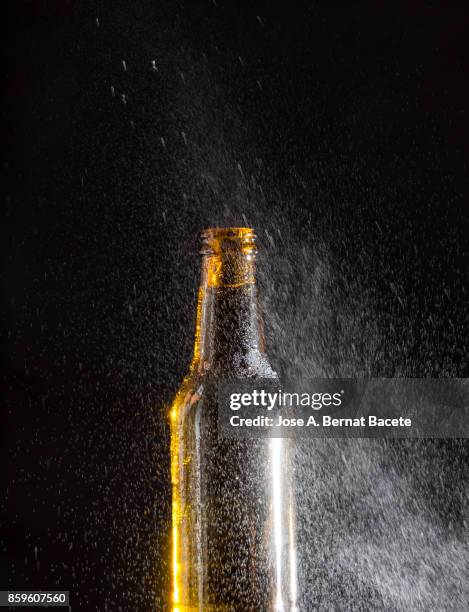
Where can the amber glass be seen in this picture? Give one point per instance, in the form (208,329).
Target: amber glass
(233,545)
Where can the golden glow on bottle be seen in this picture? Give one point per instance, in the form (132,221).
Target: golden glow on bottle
(175,513)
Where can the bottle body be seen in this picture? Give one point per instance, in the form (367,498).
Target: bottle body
(233,545)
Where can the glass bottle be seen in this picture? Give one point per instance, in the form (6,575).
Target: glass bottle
(233,545)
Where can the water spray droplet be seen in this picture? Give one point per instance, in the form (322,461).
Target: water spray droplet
(269,237)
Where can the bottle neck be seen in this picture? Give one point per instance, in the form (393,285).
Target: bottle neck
(229,331)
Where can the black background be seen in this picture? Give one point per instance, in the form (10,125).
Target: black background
(338,130)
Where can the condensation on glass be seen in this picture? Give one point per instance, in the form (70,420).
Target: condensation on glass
(233,542)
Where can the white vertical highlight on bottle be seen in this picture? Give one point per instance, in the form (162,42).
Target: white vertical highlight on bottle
(276,449)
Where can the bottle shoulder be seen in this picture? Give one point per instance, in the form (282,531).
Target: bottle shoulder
(252,365)
(197,382)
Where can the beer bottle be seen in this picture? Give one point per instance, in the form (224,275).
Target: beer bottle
(233,546)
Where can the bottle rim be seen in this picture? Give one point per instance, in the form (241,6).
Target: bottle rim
(216,240)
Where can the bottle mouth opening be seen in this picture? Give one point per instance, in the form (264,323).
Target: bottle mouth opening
(217,240)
